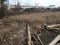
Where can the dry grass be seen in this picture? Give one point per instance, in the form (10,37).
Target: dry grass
(35,17)
(12,28)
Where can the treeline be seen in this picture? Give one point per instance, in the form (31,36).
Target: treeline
(27,10)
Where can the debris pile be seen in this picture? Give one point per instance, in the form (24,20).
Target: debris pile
(15,33)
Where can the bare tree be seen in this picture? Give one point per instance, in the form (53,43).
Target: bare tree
(2,9)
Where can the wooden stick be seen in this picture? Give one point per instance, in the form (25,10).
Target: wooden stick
(40,40)
(29,35)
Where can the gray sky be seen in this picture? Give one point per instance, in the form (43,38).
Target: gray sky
(36,2)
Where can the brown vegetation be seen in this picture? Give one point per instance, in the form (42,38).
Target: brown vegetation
(13,30)
(37,17)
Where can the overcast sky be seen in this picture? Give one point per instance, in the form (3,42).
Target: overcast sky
(36,2)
